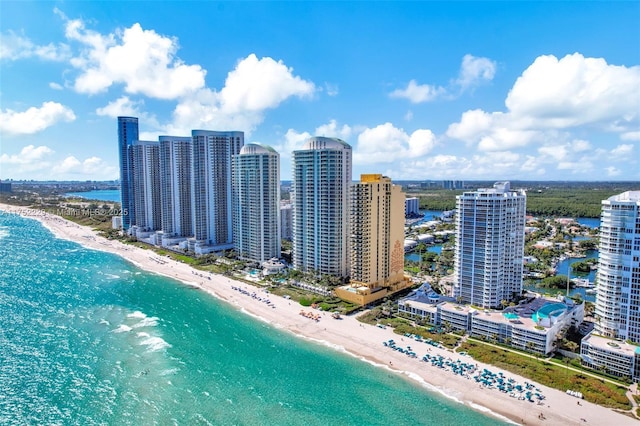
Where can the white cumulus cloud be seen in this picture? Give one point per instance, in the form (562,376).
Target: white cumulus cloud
(254,86)
(292,140)
(28,154)
(123,106)
(630,136)
(258,84)
(14,47)
(332,130)
(31,158)
(558,95)
(386,143)
(92,168)
(573,91)
(418,93)
(142,60)
(613,171)
(622,151)
(473,123)
(475,70)
(34,119)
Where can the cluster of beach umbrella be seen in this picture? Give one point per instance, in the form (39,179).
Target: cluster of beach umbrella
(254,296)
(456,367)
(408,351)
(486,378)
(507,385)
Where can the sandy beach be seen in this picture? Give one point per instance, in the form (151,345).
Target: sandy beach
(351,336)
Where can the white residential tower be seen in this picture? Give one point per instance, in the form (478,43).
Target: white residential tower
(320,205)
(256,203)
(489,245)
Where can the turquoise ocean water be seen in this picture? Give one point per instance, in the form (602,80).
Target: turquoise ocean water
(87,338)
(109,195)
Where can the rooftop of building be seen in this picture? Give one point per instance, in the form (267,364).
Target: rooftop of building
(633,196)
(164,138)
(499,189)
(612,345)
(321,142)
(201,132)
(527,314)
(142,143)
(256,148)
(425,295)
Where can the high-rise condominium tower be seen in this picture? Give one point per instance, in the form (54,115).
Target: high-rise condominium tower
(489,245)
(256,203)
(175,187)
(127,134)
(211,186)
(618,290)
(320,204)
(145,157)
(286,221)
(376,240)
(377,231)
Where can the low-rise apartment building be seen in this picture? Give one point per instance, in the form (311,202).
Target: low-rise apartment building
(611,356)
(533,325)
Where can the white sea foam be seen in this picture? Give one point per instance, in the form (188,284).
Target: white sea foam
(122,329)
(104,321)
(486,410)
(137,314)
(170,371)
(258,317)
(112,276)
(155,343)
(142,334)
(147,322)
(4,231)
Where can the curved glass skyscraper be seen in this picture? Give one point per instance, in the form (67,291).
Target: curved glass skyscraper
(256,203)
(127,135)
(618,290)
(320,204)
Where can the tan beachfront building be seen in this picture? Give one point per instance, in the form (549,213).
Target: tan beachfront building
(376,241)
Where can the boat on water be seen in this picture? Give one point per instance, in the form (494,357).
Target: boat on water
(590,291)
(583,283)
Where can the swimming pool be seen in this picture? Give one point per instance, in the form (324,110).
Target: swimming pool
(510,315)
(549,310)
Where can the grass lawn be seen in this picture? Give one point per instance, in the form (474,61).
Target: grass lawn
(402,326)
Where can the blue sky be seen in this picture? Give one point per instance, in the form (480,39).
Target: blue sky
(421,90)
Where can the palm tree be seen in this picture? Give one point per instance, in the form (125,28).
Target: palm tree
(530,346)
(572,346)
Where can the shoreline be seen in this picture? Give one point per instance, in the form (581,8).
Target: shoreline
(346,335)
